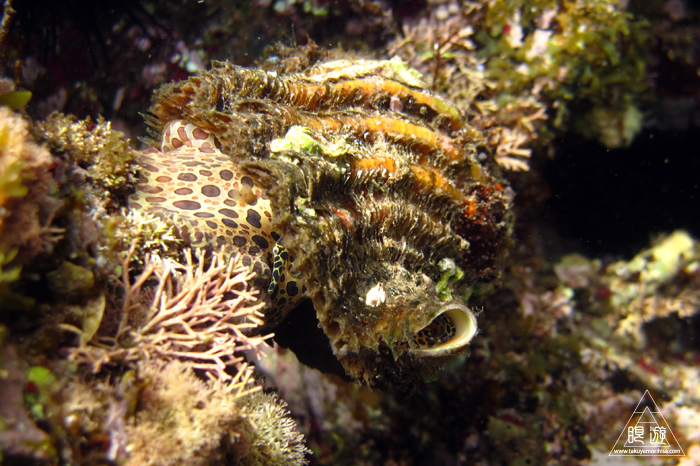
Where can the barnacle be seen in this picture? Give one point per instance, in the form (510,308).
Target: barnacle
(369,184)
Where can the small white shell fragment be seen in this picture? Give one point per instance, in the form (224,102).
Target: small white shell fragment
(376,295)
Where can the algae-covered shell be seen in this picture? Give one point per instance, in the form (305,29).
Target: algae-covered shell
(370,182)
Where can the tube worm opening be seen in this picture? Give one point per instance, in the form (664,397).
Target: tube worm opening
(449,331)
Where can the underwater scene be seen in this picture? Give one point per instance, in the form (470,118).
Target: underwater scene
(359,232)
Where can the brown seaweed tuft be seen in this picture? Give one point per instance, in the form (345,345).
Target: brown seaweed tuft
(94,146)
(196,312)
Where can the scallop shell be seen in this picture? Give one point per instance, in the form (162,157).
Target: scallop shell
(368,180)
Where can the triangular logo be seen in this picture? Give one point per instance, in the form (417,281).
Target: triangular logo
(646,433)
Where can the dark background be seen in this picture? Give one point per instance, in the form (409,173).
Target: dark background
(612,202)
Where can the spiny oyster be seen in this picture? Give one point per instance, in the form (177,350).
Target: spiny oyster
(346,181)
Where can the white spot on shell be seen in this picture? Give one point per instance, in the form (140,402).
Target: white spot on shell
(376,295)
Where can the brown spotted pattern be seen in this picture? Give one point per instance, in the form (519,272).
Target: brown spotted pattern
(213,205)
(440,330)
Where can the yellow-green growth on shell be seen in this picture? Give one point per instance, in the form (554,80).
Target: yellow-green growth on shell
(301,139)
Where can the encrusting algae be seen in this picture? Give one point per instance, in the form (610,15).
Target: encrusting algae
(25,202)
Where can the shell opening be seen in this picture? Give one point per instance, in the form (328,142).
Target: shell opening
(448,332)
